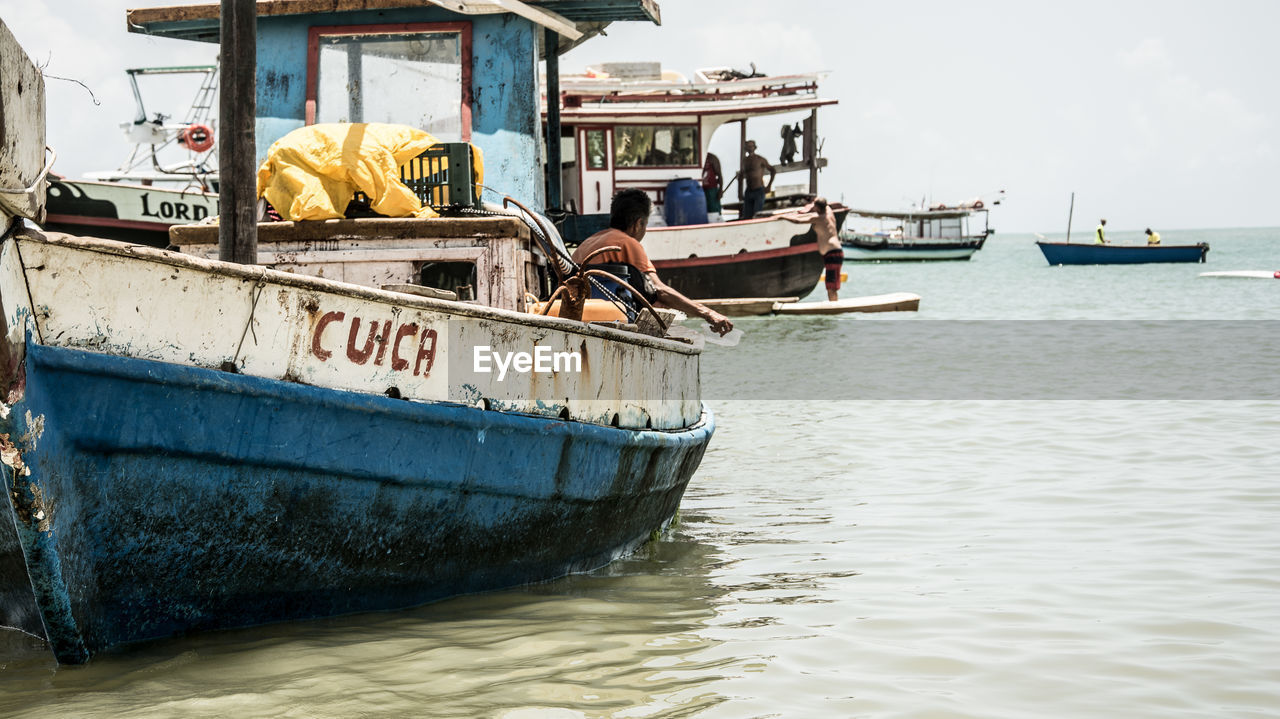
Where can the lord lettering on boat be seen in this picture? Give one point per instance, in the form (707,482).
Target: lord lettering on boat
(175,209)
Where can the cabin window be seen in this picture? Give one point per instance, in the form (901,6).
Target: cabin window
(568,148)
(656,146)
(597,146)
(416,75)
(948,227)
(457,277)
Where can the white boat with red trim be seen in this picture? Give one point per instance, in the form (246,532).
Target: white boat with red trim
(632,125)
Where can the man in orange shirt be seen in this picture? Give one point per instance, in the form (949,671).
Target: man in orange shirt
(628,220)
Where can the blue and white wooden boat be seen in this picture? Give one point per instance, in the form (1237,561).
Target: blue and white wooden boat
(1081,253)
(167,472)
(191,444)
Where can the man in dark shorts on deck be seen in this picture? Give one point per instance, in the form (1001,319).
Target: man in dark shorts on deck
(818,215)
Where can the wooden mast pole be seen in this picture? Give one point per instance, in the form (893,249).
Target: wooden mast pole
(554,179)
(811,140)
(237,106)
(1071,212)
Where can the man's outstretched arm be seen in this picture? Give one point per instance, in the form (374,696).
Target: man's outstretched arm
(669,297)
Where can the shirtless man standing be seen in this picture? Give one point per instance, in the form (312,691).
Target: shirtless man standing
(753,169)
(818,215)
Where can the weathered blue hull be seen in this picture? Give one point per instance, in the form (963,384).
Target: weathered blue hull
(163,499)
(1079,253)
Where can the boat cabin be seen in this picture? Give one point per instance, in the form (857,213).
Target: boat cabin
(936,223)
(463,70)
(488,261)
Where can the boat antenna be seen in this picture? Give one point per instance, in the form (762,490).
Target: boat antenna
(41,66)
(1070,212)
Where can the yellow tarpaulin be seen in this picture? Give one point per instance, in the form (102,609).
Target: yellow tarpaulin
(313,172)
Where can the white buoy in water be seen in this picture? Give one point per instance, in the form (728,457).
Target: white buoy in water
(1245,274)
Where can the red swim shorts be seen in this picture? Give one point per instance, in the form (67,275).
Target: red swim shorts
(833,261)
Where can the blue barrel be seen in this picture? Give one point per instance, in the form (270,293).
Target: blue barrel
(684,203)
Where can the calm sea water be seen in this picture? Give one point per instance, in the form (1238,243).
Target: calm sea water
(919,558)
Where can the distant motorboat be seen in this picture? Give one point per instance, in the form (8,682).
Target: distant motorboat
(1080,253)
(936,233)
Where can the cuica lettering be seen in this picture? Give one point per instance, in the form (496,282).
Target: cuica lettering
(371,339)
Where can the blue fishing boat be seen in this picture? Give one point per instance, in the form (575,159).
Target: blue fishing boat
(1079,253)
(191,444)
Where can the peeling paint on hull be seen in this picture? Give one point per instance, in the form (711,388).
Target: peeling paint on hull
(184,499)
(18,608)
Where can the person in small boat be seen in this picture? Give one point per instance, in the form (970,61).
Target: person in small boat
(1153,238)
(713,186)
(628,221)
(1101,238)
(818,215)
(753,169)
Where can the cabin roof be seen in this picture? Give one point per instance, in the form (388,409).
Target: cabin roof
(623,88)
(201,22)
(604,10)
(726,110)
(944,214)
(605,99)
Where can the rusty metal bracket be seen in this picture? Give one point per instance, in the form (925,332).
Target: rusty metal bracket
(563,266)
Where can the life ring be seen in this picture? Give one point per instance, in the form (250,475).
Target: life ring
(198,138)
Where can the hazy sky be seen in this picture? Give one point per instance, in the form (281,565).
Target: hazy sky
(1153,113)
